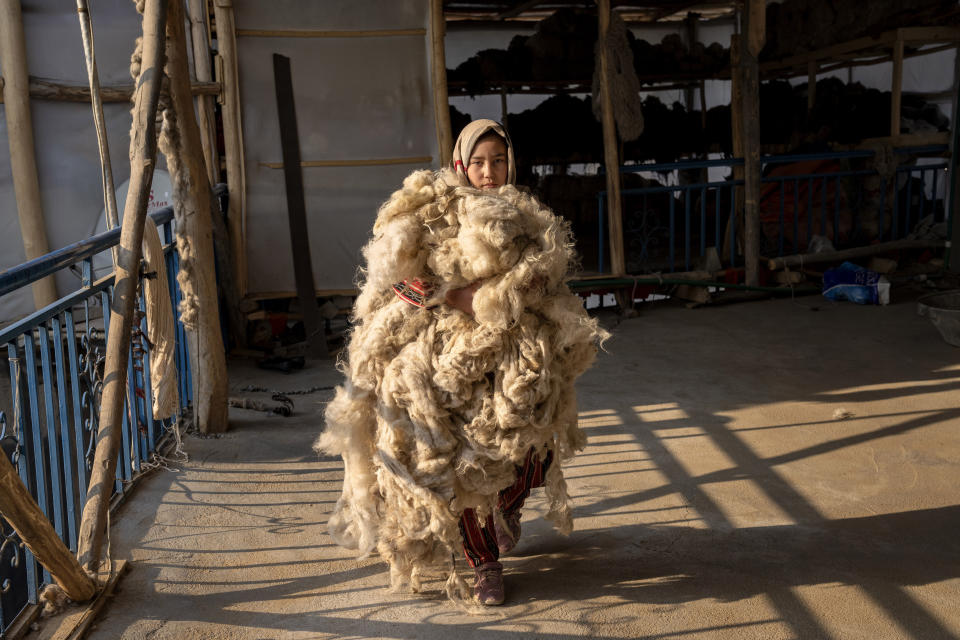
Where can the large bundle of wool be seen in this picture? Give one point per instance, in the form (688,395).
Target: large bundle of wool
(438,407)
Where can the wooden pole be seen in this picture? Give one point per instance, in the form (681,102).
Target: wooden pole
(610,156)
(96,104)
(202,66)
(19,509)
(44,90)
(736,130)
(800,260)
(143,153)
(896,88)
(755,27)
(23,159)
(232,138)
(197,279)
(441,103)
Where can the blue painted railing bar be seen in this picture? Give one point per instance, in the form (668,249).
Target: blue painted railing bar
(55,358)
(807,192)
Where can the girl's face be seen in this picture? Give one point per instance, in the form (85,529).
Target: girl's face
(488,164)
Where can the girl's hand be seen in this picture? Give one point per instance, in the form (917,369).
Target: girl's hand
(462,299)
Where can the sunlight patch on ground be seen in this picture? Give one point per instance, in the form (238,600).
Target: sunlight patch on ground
(660,412)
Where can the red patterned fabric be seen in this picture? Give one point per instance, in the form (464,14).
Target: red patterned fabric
(413,292)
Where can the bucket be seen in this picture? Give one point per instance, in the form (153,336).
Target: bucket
(943,309)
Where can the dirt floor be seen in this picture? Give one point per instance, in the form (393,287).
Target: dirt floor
(780,469)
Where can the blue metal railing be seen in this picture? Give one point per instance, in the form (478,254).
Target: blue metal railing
(840,204)
(56,358)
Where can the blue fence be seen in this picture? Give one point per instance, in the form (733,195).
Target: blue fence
(850,198)
(56,357)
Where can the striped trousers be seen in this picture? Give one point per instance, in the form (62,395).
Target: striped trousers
(480,540)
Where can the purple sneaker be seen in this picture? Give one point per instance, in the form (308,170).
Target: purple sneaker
(507,537)
(488,589)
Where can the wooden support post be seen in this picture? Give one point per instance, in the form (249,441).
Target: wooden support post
(952,252)
(736,129)
(19,509)
(610,155)
(143,153)
(441,103)
(896,87)
(205,110)
(197,278)
(23,159)
(811,86)
(756,25)
(297,208)
(232,139)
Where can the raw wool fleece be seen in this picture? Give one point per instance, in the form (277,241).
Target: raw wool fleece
(439,407)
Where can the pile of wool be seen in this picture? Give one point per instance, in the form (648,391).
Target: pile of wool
(439,407)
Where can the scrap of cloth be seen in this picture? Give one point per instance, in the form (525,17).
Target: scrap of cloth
(438,407)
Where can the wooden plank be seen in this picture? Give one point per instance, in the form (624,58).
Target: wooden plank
(143,152)
(23,623)
(53,91)
(896,87)
(76,624)
(23,158)
(610,149)
(369,162)
(441,102)
(296,207)
(318,33)
(203,68)
(20,510)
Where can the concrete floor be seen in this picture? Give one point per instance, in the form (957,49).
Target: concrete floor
(719,497)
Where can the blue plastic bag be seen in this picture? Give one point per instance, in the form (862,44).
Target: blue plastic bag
(850,282)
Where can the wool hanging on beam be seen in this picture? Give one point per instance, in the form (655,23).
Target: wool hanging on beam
(438,407)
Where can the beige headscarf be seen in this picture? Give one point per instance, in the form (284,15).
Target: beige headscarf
(467,141)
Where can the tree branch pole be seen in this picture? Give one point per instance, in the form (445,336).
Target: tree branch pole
(23,158)
(143,153)
(441,104)
(611,159)
(20,510)
(232,141)
(205,111)
(755,32)
(199,287)
(96,103)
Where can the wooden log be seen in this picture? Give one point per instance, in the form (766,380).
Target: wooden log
(22,513)
(232,139)
(800,260)
(23,159)
(365,162)
(96,104)
(610,155)
(197,279)
(896,86)
(751,139)
(203,68)
(143,152)
(56,92)
(441,102)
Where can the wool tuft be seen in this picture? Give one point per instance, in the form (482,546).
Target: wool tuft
(439,407)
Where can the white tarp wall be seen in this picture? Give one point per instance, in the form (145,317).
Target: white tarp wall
(357,98)
(64,136)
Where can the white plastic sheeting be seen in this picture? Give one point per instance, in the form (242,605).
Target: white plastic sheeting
(357,98)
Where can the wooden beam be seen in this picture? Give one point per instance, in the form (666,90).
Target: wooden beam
(896,87)
(517,9)
(75,625)
(849,254)
(736,130)
(44,90)
(198,283)
(20,510)
(952,253)
(232,139)
(441,102)
(755,28)
(610,153)
(23,159)
(316,33)
(296,207)
(368,162)
(143,153)
(204,70)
